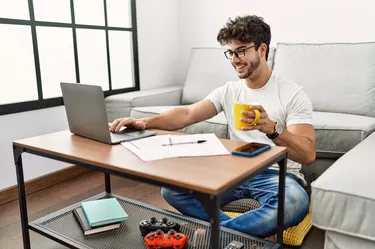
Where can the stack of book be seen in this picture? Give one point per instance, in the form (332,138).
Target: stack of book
(100,215)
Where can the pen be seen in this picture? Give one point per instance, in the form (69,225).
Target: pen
(170,140)
(192,142)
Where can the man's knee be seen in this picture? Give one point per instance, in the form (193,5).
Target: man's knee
(171,196)
(166,193)
(296,205)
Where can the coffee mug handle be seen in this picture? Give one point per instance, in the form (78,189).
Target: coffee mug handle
(257,117)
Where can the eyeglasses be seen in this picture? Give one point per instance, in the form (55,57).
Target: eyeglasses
(239,52)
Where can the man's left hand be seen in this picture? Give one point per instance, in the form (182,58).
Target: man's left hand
(265,124)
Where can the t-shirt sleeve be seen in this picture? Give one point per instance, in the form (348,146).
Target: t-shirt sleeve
(216,97)
(299,110)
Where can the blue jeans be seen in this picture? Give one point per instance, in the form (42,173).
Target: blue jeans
(260,222)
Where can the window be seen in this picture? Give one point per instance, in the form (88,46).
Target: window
(46,42)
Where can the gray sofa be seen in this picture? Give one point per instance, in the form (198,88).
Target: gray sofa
(340,81)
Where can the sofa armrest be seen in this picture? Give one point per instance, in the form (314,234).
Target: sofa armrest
(344,191)
(119,105)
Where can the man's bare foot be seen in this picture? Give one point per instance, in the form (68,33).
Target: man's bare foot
(199,238)
(272,238)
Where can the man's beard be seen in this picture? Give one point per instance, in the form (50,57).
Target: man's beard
(253,66)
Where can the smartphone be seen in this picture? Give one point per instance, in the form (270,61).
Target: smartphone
(251,149)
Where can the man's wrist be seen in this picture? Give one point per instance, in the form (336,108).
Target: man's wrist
(273,128)
(277,130)
(146,122)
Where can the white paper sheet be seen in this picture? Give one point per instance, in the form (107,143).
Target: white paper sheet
(151,148)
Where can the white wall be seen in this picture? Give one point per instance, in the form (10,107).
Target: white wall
(158,53)
(23,125)
(158,42)
(290,21)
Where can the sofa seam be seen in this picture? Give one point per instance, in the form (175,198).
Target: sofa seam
(150,112)
(369,132)
(211,122)
(131,102)
(319,129)
(342,193)
(330,151)
(362,135)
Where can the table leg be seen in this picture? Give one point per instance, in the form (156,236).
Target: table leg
(213,213)
(281,201)
(107,179)
(22,197)
(211,204)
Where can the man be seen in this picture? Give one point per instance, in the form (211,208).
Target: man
(285,120)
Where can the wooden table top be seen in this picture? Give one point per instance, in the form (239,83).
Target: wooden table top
(208,174)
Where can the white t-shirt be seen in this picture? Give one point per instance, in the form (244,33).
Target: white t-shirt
(284,101)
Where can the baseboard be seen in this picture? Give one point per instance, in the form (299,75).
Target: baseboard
(11,193)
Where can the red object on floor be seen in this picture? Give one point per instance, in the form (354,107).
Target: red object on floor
(172,239)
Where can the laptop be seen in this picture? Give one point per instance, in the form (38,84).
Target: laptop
(87,116)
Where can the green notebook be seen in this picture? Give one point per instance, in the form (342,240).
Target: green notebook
(87,230)
(103,212)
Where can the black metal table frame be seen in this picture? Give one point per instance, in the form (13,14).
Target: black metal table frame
(210,202)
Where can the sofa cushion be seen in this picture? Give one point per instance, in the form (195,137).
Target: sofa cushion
(337,132)
(342,198)
(337,77)
(119,105)
(208,70)
(218,124)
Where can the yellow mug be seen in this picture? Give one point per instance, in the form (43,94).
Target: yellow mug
(237,108)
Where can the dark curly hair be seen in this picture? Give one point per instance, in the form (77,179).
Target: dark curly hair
(246,29)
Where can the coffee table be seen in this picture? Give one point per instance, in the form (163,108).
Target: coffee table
(206,178)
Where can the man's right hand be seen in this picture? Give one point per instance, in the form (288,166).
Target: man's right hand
(139,124)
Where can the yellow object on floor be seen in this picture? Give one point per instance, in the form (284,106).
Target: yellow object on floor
(293,236)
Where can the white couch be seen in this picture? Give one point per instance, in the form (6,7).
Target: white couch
(340,80)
